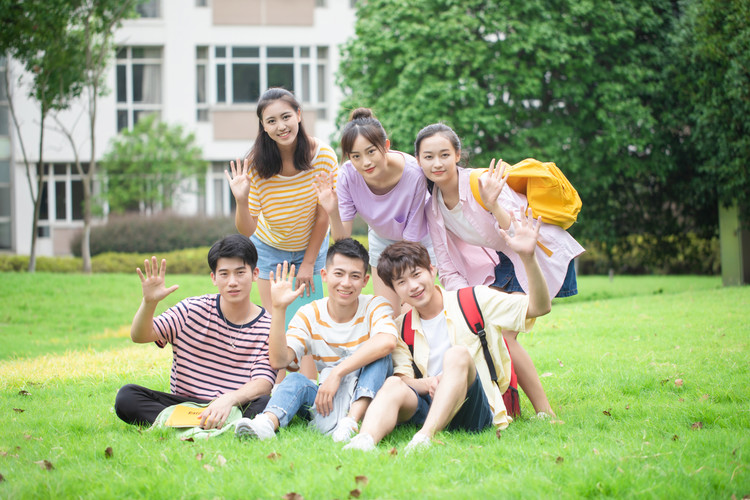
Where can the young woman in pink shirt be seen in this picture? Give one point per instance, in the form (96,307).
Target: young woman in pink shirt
(385,187)
(469,248)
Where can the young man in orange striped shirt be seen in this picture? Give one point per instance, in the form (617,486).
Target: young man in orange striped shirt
(350,337)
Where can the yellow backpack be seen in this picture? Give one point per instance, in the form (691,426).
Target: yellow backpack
(549,193)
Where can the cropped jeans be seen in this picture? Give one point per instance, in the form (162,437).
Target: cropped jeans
(295,395)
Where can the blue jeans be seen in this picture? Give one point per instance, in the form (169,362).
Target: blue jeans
(295,395)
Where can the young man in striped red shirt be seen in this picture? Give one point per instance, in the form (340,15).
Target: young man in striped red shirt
(350,337)
(219,341)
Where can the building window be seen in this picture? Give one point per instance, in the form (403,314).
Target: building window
(242,73)
(149,8)
(219,198)
(201,3)
(201,78)
(62,194)
(139,84)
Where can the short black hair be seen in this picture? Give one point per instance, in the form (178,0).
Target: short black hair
(234,245)
(349,247)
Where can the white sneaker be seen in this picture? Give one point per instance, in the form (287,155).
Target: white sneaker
(362,442)
(345,429)
(260,428)
(418,442)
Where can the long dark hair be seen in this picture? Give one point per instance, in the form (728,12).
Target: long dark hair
(265,157)
(435,129)
(362,122)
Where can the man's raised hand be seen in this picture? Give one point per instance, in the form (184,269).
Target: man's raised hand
(282,291)
(153,281)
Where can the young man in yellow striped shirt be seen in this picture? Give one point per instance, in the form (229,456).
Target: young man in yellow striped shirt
(350,337)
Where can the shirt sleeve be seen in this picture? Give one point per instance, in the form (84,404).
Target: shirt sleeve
(170,323)
(415,227)
(298,336)
(347,208)
(380,316)
(505,310)
(253,199)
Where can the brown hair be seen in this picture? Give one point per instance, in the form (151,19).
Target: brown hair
(400,257)
(362,122)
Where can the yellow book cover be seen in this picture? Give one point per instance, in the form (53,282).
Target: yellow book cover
(184,416)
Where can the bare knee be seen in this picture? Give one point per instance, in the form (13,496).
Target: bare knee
(457,358)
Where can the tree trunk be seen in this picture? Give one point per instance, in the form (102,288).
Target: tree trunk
(38,201)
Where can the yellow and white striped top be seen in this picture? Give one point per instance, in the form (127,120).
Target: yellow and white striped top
(313,331)
(286,206)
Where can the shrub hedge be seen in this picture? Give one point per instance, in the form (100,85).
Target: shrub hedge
(135,233)
(638,254)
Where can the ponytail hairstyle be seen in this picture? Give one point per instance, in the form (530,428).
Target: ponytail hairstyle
(265,157)
(435,129)
(363,122)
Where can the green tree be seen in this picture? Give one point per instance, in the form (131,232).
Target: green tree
(147,166)
(710,71)
(569,81)
(35,33)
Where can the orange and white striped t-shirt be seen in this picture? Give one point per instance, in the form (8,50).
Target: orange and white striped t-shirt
(313,331)
(286,206)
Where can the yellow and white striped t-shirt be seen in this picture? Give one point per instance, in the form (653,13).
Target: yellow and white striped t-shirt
(313,331)
(286,206)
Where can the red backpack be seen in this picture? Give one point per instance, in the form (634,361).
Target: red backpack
(467,301)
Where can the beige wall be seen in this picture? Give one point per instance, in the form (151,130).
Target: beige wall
(242,125)
(62,239)
(263,12)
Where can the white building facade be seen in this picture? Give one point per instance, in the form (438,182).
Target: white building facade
(198,63)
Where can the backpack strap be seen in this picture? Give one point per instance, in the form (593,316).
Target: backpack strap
(467,301)
(407,335)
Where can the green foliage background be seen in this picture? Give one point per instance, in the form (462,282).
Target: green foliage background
(639,102)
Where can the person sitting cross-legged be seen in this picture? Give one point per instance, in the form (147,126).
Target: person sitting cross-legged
(456,390)
(350,337)
(219,341)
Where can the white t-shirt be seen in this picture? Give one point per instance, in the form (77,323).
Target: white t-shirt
(456,223)
(436,332)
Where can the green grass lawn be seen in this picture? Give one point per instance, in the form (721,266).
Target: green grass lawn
(648,375)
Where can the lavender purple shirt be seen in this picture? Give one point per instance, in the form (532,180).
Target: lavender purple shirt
(396,215)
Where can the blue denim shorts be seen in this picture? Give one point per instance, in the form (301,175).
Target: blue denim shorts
(269,257)
(505,278)
(474,416)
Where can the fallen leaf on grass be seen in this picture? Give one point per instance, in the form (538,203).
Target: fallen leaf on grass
(29,436)
(199,456)
(393,452)
(355,493)
(108,452)
(705,397)
(18,410)
(697,425)
(664,381)
(546,374)
(557,422)
(293,496)
(361,480)
(596,452)
(221,461)
(273,456)
(681,400)
(606,412)
(208,468)
(675,437)
(678,382)
(498,434)
(187,439)
(560,363)
(559,460)
(45,464)
(627,407)
(2,478)
(24,392)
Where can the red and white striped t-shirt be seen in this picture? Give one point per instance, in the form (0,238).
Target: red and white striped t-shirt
(211,356)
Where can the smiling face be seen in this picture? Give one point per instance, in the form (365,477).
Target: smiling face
(367,158)
(234,279)
(416,287)
(438,159)
(345,278)
(281,122)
